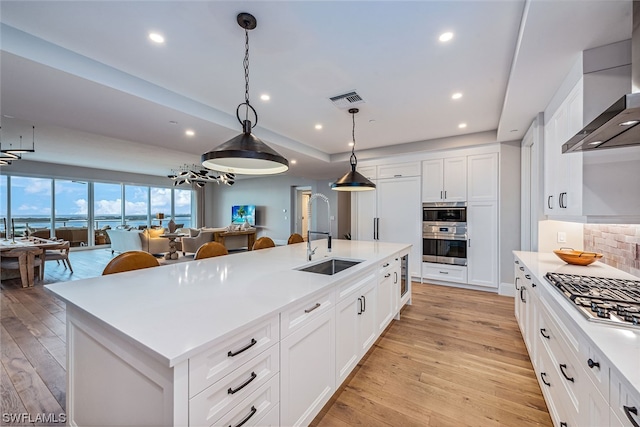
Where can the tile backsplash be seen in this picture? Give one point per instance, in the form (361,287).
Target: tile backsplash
(619,244)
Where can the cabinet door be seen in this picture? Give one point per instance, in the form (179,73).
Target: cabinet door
(368,327)
(483,177)
(363,214)
(400,216)
(348,312)
(307,363)
(571,189)
(433,180)
(455,179)
(385,299)
(482,251)
(594,409)
(550,199)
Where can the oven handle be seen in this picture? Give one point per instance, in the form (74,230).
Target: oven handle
(459,237)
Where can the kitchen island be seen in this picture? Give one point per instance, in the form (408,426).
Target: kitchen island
(589,372)
(245,337)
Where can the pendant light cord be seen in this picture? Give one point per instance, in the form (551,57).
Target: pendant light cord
(245,63)
(353,161)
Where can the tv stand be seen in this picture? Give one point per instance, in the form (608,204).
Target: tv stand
(219,236)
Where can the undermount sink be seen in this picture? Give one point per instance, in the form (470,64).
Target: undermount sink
(330,266)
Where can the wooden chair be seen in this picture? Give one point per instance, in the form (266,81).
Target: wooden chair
(295,238)
(25,260)
(59,253)
(131,260)
(210,249)
(263,243)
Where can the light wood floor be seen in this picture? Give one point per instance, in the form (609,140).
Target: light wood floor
(456,358)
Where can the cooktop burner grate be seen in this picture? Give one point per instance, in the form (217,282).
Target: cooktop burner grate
(601,299)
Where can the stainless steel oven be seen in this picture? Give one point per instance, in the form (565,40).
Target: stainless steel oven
(444,233)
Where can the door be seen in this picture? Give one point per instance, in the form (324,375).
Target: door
(363,215)
(482,252)
(301,224)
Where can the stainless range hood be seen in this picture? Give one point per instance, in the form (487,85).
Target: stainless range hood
(619,125)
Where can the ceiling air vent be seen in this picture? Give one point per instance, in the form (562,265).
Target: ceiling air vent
(346,100)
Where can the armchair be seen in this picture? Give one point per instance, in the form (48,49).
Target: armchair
(191,244)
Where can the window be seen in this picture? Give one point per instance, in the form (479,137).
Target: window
(182,207)
(107,205)
(160,203)
(30,204)
(136,202)
(71,212)
(4,202)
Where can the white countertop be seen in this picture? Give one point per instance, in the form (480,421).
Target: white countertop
(176,310)
(620,345)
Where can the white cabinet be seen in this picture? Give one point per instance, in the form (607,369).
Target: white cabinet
(307,360)
(398,170)
(355,325)
(482,176)
(482,246)
(388,292)
(444,180)
(625,404)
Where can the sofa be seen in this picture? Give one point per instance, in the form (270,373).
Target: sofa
(138,240)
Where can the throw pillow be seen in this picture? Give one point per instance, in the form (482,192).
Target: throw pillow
(156,232)
(193,232)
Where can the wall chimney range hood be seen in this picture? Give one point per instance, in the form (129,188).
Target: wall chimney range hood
(619,125)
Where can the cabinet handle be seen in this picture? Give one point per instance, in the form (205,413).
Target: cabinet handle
(563,424)
(516,283)
(395,277)
(377,228)
(517,262)
(593,364)
(387,275)
(247,418)
(562,200)
(542,332)
(309,310)
(243,385)
(359,306)
(521,268)
(522,289)
(364,304)
(443,272)
(628,410)
(549,202)
(562,368)
(469,242)
(243,349)
(397,176)
(445,194)
(543,375)
(385,265)
(441,197)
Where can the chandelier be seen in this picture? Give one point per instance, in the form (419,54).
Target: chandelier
(7,155)
(194,174)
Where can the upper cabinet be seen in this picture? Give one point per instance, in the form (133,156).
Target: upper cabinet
(444,180)
(482,177)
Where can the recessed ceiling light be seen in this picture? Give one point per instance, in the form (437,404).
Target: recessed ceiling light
(265,97)
(293,161)
(445,37)
(155,37)
(189,132)
(462,125)
(456,95)
(350,143)
(629,123)
(318,126)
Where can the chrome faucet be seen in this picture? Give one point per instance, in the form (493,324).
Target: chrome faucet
(311,252)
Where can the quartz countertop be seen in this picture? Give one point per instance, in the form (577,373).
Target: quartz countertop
(174,311)
(620,345)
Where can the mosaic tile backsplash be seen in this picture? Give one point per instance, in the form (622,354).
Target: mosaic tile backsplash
(619,245)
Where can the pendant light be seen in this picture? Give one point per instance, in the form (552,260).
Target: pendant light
(245,154)
(353,181)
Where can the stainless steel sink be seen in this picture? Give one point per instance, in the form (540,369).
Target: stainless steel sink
(330,266)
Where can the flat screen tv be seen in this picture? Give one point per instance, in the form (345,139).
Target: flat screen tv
(240,213)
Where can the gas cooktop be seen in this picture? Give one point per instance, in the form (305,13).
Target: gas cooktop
(611,301)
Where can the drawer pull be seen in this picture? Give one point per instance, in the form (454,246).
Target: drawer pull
(243,349)
(385,265)
(543,376)
(527,276)
(247,418)
(364,303)
(517,262)
(628,410)
(395,277)
(542,332)
(387,275)
(562,368)
(593,364)
(443,272)
(563,424)
(522,289)
(360,310)
(243,385)
(521,268)
(516,283)
(309,310)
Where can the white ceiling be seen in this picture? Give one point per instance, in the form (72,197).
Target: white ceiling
(102,95)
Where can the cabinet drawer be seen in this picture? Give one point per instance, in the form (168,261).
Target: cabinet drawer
(399,170)
(353,285)
(252,410)
(305,311)
(209,405)
(624,402)
(595,366)
(210,366)
(450,273)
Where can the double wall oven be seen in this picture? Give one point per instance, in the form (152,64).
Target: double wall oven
(444,233)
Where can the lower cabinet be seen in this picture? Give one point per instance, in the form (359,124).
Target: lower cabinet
(388,276)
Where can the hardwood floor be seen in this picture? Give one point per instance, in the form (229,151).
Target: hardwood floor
(456,358)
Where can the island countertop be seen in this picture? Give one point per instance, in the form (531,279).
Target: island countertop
(176,310)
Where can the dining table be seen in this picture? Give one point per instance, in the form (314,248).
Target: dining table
(22,253)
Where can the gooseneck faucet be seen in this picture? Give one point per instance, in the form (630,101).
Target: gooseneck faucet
(311,252)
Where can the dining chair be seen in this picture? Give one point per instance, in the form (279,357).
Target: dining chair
(59,253)
(210,249)
(131,260)
(295,238)
(24,260)
(263,243)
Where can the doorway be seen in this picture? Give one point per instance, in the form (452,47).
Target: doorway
(301,225)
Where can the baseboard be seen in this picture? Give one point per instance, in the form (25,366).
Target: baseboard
(507,289)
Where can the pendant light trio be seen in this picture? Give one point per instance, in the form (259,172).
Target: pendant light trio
(247,154)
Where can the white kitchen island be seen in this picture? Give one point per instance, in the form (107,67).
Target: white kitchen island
(240,339)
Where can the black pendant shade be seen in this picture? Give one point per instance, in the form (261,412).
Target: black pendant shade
(353,180)
(245,154)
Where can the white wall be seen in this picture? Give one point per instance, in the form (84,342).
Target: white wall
(509,215)
(548,235)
